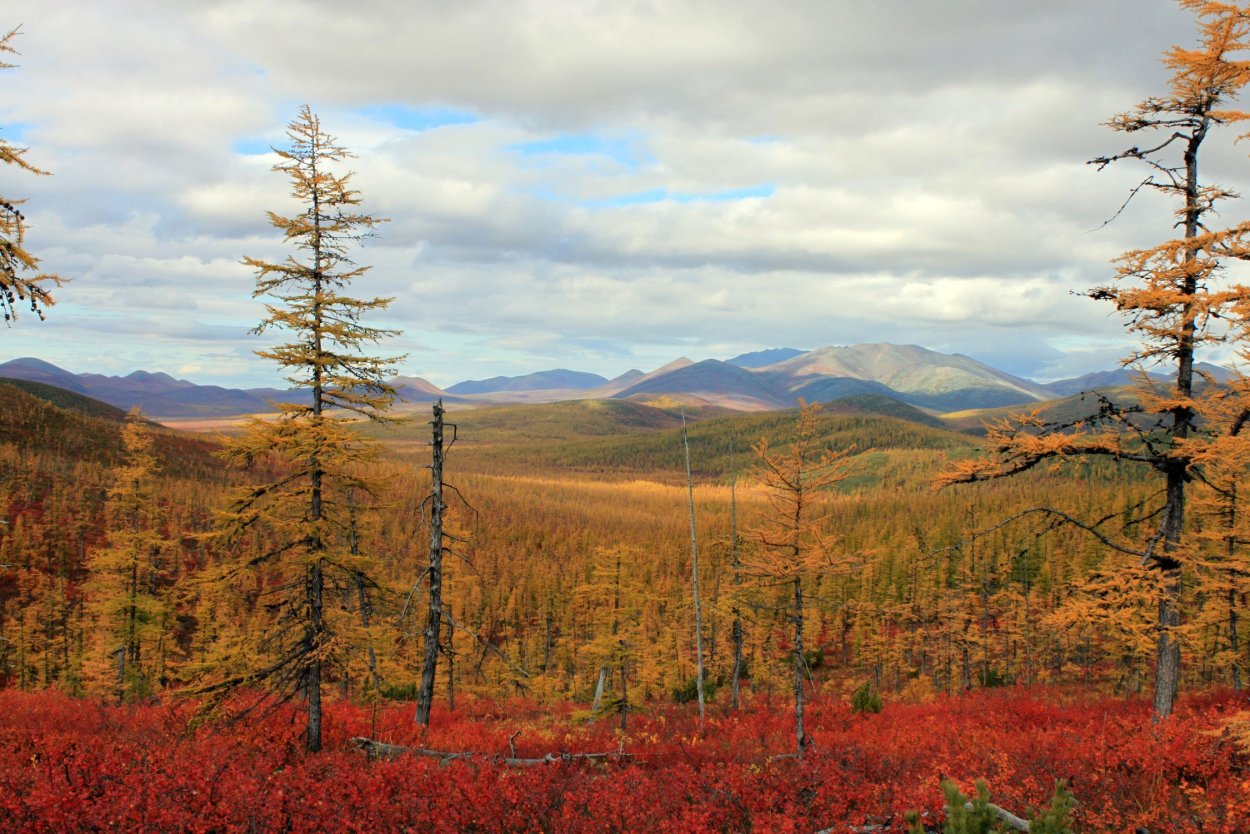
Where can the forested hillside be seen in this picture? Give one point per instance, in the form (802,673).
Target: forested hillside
(913,602)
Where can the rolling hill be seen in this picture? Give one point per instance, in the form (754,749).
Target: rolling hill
(710,381)
(558,379)
(157,394)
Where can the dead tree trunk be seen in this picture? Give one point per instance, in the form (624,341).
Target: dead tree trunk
(425,695)
(362,596)
(736,679)
(598,702)
(450,651)
(694,578)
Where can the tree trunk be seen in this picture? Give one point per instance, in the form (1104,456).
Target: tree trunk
(800,734)
(603,679)
(1167,672)
(312,674)
(451,664)
(736,679)
(547,644)
(425,695)
(694,579)
(1232,636)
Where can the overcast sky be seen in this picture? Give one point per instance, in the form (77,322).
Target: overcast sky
(594,185)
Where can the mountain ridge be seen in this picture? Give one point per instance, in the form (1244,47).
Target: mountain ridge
(935,382)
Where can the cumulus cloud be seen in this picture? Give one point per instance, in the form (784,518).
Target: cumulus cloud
(595,185)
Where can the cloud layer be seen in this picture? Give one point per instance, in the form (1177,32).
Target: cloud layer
(594,185)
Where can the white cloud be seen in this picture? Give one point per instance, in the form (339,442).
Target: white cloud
(917,173)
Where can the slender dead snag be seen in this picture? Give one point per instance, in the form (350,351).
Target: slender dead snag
(737,569)
(362,595)
(598,700)
(450,651)
(434,622)
(694,577)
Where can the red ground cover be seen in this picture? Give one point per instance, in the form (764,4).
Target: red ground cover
(74,765)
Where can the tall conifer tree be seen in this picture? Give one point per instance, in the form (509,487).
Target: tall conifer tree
(791,546)
(301,517)
(124,591)
(1177,299)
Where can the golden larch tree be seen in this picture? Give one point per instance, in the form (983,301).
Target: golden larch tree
(791,547)
(1177,299)
(124,592)
(299,522)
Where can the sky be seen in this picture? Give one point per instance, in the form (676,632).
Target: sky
(594,185)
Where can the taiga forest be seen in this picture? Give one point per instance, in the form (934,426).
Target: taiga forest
(866,588)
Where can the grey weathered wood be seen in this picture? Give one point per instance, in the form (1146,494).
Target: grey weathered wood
(1006,817)
(382,750)
(694,580)
(434,620)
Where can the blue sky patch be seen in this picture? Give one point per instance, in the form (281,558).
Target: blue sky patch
(626,151)
(251,146)
(418,119)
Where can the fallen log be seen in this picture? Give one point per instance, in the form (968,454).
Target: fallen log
(1004,816)
(382,750)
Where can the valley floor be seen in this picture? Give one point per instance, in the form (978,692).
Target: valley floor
(79,765)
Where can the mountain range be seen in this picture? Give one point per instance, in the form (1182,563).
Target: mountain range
(759,381)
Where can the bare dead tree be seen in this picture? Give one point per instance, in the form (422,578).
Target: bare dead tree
(434,620)
(694,577)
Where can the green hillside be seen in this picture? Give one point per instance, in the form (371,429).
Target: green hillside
(47,420)
(1062,410)
(67,399)
(723,445)
(529,423)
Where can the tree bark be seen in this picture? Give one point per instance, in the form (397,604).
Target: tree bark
(800,734)
(425,695)
(736,679)
(312,674)
(694,578)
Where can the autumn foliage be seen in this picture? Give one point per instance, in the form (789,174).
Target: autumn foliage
(66,761)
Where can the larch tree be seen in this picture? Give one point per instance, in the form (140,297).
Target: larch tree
(1224,580)
(124,589)
(1177,299)
(21,284)
(300,520)
(791,547)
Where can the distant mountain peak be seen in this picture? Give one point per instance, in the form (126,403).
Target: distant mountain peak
(764,358)
(679,362)
(37,370)
(158,378)
(556,379)
(408,385)
(627,377)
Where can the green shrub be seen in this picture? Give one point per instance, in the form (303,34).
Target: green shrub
(687,692)
(979,817)
(399,691)
(866,699)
